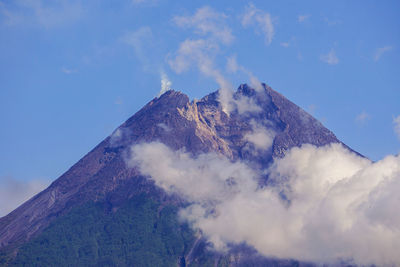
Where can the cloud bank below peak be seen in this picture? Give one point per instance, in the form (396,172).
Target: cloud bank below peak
(337,206)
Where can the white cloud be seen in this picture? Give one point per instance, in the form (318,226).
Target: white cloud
(165,84)
(196,179)
(207,21)
(339,207)
(260,136)
(261,20)
(15,192)
(362,117)
(302,18)
(382,50)
(330,58)
(396,122)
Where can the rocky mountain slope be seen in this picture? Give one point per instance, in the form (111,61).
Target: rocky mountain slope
(103,186)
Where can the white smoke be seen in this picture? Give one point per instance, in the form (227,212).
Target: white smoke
(233,66)
(337,205)
(165,84)
(201,53)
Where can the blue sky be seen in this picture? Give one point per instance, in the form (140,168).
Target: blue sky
(72,71)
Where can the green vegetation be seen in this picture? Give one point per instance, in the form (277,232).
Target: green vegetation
(141,233)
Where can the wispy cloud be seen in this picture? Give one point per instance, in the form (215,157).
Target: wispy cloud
(382,50)
(212,28)
(143,43)
(332,22)
(311,108)
(362,117)
(396,124)
(118,101)
(68,70)
(145,2)
(233,66)
(47,14)
(14,192)
(261,20)
(206,21)
(330,58)
(302,18)
(285,44)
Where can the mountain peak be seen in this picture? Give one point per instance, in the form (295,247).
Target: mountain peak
(198,126)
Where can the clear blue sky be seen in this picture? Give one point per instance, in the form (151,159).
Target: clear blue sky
(72,71)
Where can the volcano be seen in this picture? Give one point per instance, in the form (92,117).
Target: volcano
(106,212)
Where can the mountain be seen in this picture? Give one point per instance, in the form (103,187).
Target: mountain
(102,212)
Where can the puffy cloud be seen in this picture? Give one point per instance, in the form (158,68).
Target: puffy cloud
(382,50)
(261,20)
(337,206)
(208,177)
(330,58)
(396,123)
(15,192)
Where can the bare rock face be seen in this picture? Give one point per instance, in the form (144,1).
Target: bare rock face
(197,126)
